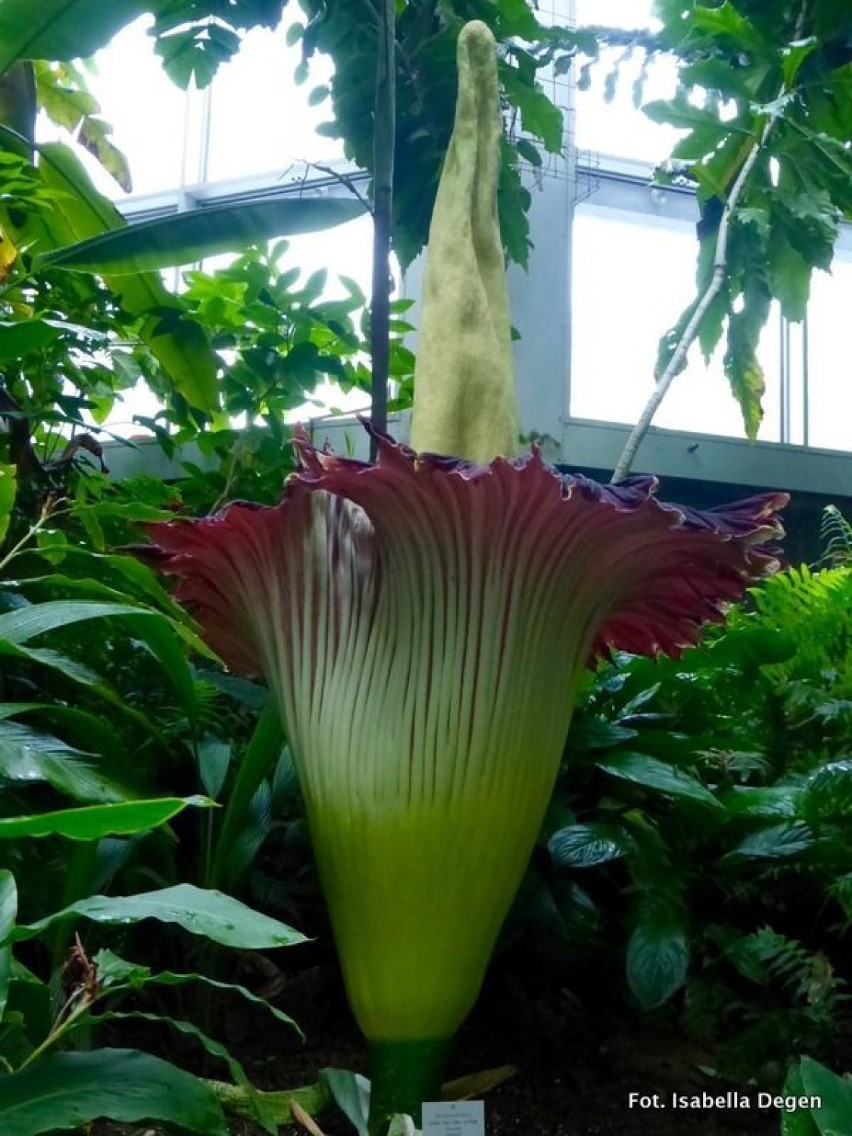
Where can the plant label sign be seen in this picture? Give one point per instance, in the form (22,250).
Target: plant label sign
(454,1118)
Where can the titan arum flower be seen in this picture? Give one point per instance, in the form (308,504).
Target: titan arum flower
(423,624)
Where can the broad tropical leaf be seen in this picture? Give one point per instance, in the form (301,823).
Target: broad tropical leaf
(188,237)
(66,1090)
(61,29)
(655,774)
(209,913)
(657,954)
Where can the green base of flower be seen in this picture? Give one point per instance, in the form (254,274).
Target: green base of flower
(403,1075)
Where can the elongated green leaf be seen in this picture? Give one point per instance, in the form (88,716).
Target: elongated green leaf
(163,636)
(8,914)
(156,630)
(61,29)
(208,913)
(25,623)
(114,972)
(28,756)
(657,955)
(8,489)
(191,236)
(120,819)
(79,727)
(66,1090)
(655,774)
(149,589)
(179,343)
(49,658)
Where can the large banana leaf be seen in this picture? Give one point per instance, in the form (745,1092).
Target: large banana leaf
(66,1090)
(186,237)
(62,29)
(179,342)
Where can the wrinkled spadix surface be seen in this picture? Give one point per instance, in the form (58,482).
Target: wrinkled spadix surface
(464,374)
(423,623)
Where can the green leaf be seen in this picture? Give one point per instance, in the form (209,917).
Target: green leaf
(789,278)
(8,914)
(657,954)
(67,1090)
(351,1094)
(25,623)
(61,29)
(114,971)
(178,342)
(539,115)
(198,233)
(8,489)
(28,756)
(64,97)
(681,113)
(118,819)
(208,1044)
(586,845)
(160,634)
(727,24)
(655,774)
(214,760)
(209,913)
(828,792)
(778,841)
(20,338)
(742,368)
(793,56)
(834,1115)
(798,1121)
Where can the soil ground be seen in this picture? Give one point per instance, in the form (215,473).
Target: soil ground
(575,1066)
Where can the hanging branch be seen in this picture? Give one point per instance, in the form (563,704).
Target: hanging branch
(383,159)
(675,364)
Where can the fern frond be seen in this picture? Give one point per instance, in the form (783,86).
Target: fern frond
(835,534)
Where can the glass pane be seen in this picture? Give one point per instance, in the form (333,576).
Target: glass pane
(260,119)
(632,277)
(146,110)
(608,121)
(829,355)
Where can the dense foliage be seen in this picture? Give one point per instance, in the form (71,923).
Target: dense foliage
(699,829)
